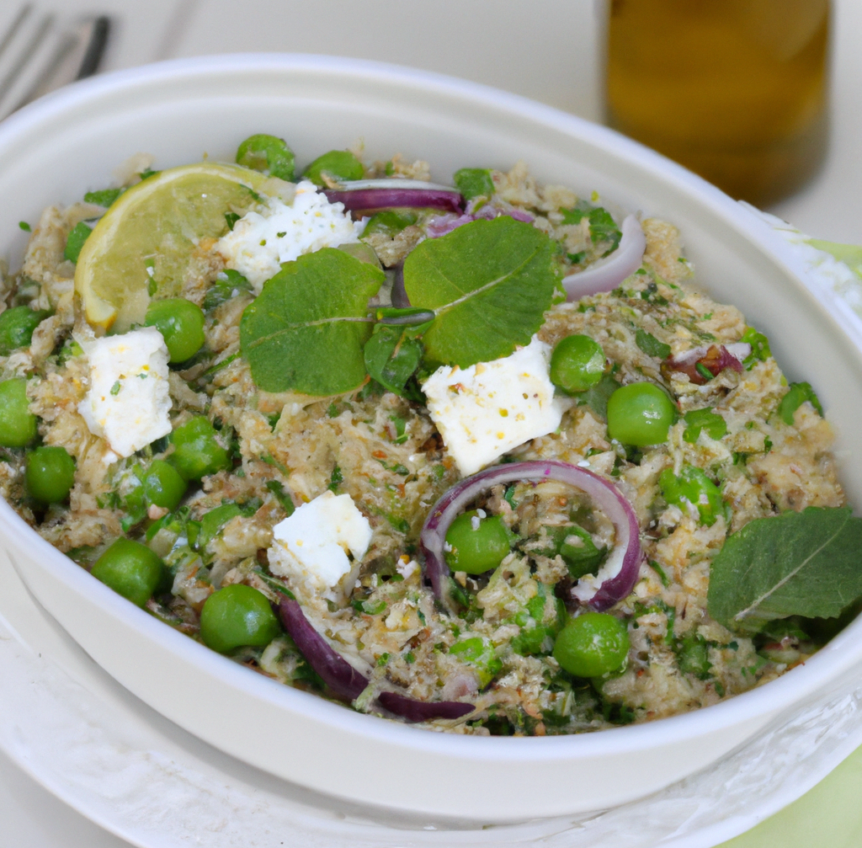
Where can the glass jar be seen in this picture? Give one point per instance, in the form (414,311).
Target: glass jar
(735,90)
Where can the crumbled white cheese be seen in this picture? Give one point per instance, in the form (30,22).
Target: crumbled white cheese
(128,400)
(489,408)
(261,241)
(311,546)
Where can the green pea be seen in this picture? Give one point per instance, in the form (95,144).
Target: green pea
(164,486)
(181,322)
(474,182)
(17,423)
(640,414)
(264,152)
(16,327)
(198,452)
(577,364)
(237,616)
(131,570)
(477,544)
(693,487)
(338,164)
(49,474)
(592,645)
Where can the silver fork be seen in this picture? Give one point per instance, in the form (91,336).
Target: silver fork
(38,53)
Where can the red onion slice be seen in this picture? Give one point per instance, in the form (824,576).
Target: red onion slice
(606,274)
(372,195)
(714,358)
(338,674)
(615,578)
(413,710)
(348,683)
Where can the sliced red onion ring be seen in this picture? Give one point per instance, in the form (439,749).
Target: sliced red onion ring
(606,274)
(338,674)
(413,710)
(371,195)
(442,225)
(615,578)
(348,683)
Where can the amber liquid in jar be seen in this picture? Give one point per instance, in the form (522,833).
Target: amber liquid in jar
(735,90)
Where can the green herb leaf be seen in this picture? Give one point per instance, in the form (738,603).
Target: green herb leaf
(283,498)
(603,228)
(798,563)
(75,241)
(228,284)
(394,351)
(389,221)
(760,351)
(651,346)
(703,419)
(796,395)
(596,397)
(474,182)
(489,283)
(104,197)
(306,330)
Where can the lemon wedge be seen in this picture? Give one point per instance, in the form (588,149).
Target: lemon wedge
(144,245)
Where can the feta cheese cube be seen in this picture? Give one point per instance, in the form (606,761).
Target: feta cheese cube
(311,546)
(489,408)
(261,241)
(128,400)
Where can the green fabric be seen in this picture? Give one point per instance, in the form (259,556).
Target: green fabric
(829,814)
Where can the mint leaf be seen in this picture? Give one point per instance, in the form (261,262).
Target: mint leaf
(104,197)
(75,241)
(474,182)
(703,419)
(603,228)
(650,345)
(306,329)
(796,395)
(798,563)
(489,283)
(392,355)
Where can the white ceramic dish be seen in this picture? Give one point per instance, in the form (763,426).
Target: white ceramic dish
(178,111)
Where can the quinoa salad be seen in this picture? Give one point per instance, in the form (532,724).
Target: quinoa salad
(475,454)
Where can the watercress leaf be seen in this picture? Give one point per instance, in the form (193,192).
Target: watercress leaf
(474,182)
(306,329)
(650,345)
(703,419)
(597,397)
(798,563)
(489,283)
(796,395)
(392,356)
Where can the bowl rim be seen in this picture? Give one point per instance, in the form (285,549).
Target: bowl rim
(780,694)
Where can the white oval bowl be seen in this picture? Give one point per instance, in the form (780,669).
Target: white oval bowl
(71,141)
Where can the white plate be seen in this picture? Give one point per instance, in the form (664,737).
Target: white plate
(117,762)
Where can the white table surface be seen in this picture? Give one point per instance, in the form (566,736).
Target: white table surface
(548,50)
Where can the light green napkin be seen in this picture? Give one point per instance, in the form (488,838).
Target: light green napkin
(830,814)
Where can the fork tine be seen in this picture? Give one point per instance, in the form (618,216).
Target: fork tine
(22,16)
(18,66)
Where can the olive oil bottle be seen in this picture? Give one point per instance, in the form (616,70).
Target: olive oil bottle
(735,90)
